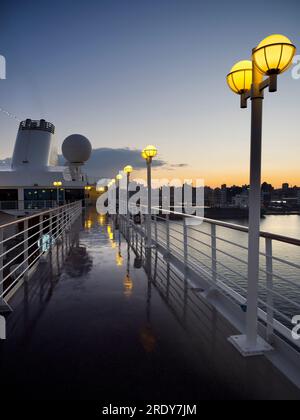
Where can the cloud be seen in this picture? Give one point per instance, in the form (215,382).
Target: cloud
(178,165)
(105,162)
(174,166)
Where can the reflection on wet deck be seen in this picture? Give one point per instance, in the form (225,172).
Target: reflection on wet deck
(93,326)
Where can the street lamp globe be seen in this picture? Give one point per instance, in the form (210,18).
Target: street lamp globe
(274,54)
(119,177)
(128,169)
(149,152)
(240,77)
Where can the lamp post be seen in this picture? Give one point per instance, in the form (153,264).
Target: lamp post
(128,170)
(87,189)
(249,79)
(57,184)
(148,154)
(118,179)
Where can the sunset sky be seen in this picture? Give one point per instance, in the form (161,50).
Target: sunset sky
(127,73)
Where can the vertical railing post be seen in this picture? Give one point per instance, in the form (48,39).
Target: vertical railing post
(168,232)
(61,228)
(50,230)
(185,243)
(1,269)
(155,227)
(41,227)
(270,299)
(25,248)
(214,252)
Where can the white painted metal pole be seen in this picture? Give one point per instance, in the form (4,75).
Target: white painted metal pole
(1,267)
(128,180)
(185,243)
(26,251)
(149,184)
(254,209)
(168,233)
(270,299)
(214,252)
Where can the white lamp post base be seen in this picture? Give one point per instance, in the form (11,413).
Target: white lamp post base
(246,350)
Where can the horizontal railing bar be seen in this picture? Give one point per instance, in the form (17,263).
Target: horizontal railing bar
(24,261)
(274,292)
(280,278)
(57,222)
(226,285)
(224,278)
(291,264)
(35,215)
(274,236)
(67,219)
(231,243)
(30,246)
(231,256)
(198,250)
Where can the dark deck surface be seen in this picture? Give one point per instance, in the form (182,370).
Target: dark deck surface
(94,327)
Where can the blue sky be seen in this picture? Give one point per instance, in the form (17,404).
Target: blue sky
(126,73)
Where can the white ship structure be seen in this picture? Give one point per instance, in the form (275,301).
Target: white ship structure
(29,183)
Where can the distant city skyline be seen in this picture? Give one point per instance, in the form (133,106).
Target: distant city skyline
(127,73)
(168,171)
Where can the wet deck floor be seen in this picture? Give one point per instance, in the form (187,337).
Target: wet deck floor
(94,327)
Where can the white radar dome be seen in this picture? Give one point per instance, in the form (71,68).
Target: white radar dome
(76,149)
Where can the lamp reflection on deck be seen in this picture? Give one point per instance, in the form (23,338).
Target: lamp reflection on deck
(128,285)
(119,259)
(88,224)
(101,219)
(148,339)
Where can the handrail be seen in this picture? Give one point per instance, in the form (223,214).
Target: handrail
(218,271)
(22,220)
(17,259)
(233,226)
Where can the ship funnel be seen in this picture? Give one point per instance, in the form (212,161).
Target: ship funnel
(35,146)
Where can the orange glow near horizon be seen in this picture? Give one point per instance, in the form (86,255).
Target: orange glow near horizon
(276,178)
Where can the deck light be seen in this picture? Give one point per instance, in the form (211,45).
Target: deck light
(57,183)
(274,54)
(240,77)
(128,169)
(270,58)
(149,152)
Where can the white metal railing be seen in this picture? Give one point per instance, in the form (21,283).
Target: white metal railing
(215,253)
(23,242)
(30,204)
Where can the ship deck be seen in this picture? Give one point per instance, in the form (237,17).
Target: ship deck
(93,326)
